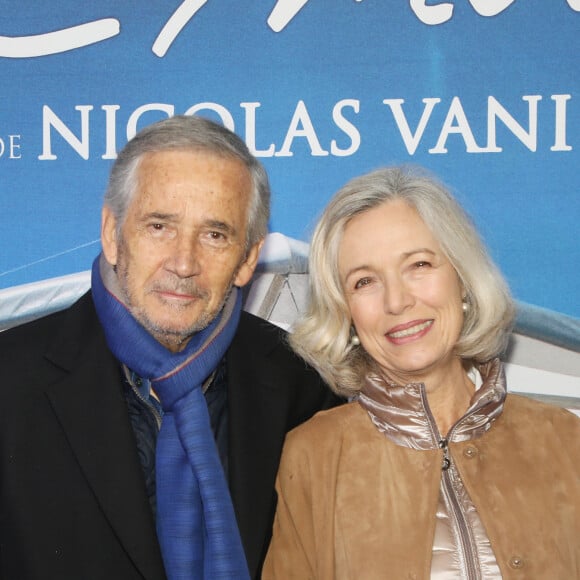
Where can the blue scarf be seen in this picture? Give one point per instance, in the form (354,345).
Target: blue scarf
(196,524)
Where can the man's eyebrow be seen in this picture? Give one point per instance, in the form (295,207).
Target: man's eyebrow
(157,215)
(215,224)
(220,225)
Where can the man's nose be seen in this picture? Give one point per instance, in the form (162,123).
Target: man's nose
(184,260)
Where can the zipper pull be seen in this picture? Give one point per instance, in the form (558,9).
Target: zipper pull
(446,461)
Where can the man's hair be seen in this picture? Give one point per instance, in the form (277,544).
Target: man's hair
(322,334)
(188,133)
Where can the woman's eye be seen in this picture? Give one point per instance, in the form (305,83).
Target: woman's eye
(362,282)
(422,264)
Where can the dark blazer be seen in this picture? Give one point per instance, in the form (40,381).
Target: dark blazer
(72,497)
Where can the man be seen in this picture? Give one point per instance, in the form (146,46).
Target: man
(126,418)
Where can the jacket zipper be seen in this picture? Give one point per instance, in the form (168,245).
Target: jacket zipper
(465,536)
(467,554)
(150,406)
(147,403)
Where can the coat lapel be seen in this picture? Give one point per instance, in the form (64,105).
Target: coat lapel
(91,409)
(257,426)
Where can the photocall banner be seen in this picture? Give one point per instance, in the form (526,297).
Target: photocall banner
(483,93)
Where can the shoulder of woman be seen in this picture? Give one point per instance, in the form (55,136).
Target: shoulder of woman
(328,424)
(519,407)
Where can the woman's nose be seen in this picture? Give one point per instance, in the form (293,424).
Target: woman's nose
(397,297)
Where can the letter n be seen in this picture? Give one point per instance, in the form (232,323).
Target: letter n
(50,120)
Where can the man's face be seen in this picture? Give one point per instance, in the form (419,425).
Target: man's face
(182,245)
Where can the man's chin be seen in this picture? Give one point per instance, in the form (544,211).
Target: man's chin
(174,331)
(172,324)
(175,339)
(167,330)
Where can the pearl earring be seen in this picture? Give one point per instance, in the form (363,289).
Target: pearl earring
(354,340)
(465,306)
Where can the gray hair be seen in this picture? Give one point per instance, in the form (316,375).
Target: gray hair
(184,132)
(322,334)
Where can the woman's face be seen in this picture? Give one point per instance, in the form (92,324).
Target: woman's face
(404,296)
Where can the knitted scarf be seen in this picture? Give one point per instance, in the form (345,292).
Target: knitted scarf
(196,524)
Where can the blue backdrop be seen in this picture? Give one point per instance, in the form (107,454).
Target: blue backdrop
(485,93)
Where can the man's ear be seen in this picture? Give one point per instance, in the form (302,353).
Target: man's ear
(248,266)
(109,235)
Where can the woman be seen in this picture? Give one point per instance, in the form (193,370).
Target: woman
(431,471)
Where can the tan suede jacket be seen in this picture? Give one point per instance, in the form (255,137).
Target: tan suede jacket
(354,505)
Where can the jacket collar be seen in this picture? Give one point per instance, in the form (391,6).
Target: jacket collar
(258,416)
(402,413)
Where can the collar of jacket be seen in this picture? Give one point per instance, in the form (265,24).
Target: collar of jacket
(402,413)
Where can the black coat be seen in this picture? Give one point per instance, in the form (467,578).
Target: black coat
(72,498)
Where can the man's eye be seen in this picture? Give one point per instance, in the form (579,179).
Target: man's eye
(161,231)
(157,228)
(216,239)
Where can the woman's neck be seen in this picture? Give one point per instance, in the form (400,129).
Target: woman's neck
(449,397)
(449,391)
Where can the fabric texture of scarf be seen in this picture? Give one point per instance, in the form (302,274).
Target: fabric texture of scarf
(196,523)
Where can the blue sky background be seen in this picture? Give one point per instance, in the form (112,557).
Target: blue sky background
(525,203)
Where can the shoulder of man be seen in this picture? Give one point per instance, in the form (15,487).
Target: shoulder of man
(24,347)
(82,310)
(264,333)
(259,343)
(257,337)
